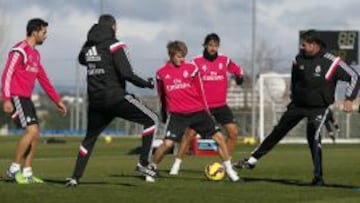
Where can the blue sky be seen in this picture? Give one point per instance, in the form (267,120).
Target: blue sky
(147,26)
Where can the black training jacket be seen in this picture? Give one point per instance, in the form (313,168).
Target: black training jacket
(108,67)
(314,79)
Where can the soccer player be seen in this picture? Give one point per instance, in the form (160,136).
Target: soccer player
(315,73)
(108,69)
(183,103)
(214,68)
(22,69)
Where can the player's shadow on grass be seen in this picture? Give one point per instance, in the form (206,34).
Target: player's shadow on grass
(164,174)
(62,182)
(126,176)
(188,171)
(297,182)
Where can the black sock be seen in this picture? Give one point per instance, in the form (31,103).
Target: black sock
(145,149)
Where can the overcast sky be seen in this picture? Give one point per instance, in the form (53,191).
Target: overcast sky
(147,25)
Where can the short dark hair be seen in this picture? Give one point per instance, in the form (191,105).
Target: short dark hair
(211,36)
(35,24)
(176,46)
(312,36)
(107,20)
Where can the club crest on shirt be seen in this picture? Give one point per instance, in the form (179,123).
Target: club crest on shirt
(204,67)
(185,74)
(317,71)
(221,66)
(167,76)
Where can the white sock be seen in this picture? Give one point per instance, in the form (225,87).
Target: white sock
(154,165)
(227,164)
(14,167)
(177,162)
(27,172)
(252,160)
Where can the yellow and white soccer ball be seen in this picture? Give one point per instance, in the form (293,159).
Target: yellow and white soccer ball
(215,171)
(107,139)
(250,140)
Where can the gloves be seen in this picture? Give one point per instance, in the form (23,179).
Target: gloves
(151,84)
(239,80)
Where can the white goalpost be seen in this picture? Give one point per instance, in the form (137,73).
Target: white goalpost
(272,89)
(274,96)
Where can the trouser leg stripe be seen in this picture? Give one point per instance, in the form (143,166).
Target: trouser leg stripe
(19,111)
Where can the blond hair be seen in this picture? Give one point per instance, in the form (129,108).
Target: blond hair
(176,46)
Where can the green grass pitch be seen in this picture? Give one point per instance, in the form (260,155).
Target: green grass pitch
(281,176)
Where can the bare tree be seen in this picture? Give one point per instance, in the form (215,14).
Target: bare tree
(267,57)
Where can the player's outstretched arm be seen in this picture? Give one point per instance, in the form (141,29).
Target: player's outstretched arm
(125,70)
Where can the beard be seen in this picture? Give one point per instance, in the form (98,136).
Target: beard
(208,56)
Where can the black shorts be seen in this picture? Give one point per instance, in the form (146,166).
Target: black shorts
(200,121)
(223,115)
(24,113)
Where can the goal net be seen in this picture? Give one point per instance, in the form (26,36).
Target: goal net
(274,96)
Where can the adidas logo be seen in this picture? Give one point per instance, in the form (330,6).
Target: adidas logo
(92,55)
